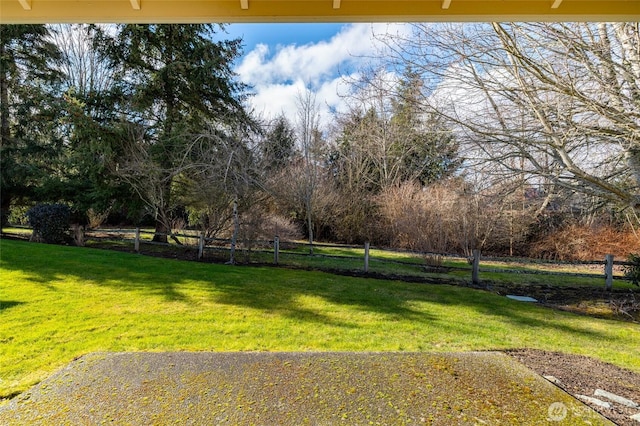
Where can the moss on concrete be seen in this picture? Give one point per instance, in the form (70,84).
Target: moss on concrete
(297,388)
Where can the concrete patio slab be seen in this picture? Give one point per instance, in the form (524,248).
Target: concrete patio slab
(297,388)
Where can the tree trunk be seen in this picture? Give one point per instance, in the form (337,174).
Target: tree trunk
(163,216)
(310,228)
(5,195)
(236,228)
(5,205)
(161,232)
(4,103)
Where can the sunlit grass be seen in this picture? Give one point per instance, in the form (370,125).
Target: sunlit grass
(17,230)
(349,258)
(57,303)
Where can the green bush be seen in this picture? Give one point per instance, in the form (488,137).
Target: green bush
(18,215)
(50,222)
(632,271)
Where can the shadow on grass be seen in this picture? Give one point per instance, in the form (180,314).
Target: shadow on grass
(280,291)
(6,304)
(271,290)
(520,315)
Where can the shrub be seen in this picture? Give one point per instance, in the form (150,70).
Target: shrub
(446,217)
(97,218)
(50,222)
(581,242)
(18,215)
(280,226)
(433,260)
(632,271)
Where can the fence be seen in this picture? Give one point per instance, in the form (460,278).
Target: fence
(356,258)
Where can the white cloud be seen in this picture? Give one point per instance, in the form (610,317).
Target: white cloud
(278,75)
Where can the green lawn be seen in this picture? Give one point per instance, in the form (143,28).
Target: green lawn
(57,303)
(332,257)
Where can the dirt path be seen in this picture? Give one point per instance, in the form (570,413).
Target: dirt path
(297,388)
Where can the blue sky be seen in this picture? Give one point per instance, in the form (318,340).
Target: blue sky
(274,34)
(280,61)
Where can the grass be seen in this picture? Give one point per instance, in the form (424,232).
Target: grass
(398,263)
(332,257)
(57,303)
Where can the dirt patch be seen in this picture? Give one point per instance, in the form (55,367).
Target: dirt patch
(580,375)
(616,304)
(296,389)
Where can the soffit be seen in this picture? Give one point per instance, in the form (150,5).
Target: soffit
(197,11)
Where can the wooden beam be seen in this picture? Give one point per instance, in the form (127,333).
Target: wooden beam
(244,4)
(135,4)
(202,11)
(336,4)
(556,4)
(446,4)
(26,4)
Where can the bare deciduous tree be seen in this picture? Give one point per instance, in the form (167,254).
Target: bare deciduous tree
(85,69)
(309,138)
(221,181)
(555,103)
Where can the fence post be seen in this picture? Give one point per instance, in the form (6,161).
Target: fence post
(276,250)
(136,244)
(608,271)
(366,257)
(475,274)
(201,246)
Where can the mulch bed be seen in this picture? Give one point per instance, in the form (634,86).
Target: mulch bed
(580,375)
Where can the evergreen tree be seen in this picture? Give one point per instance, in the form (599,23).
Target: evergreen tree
(278,148)
(93,126)
(29,111)
(178,81)
(427,149)
(393,142)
